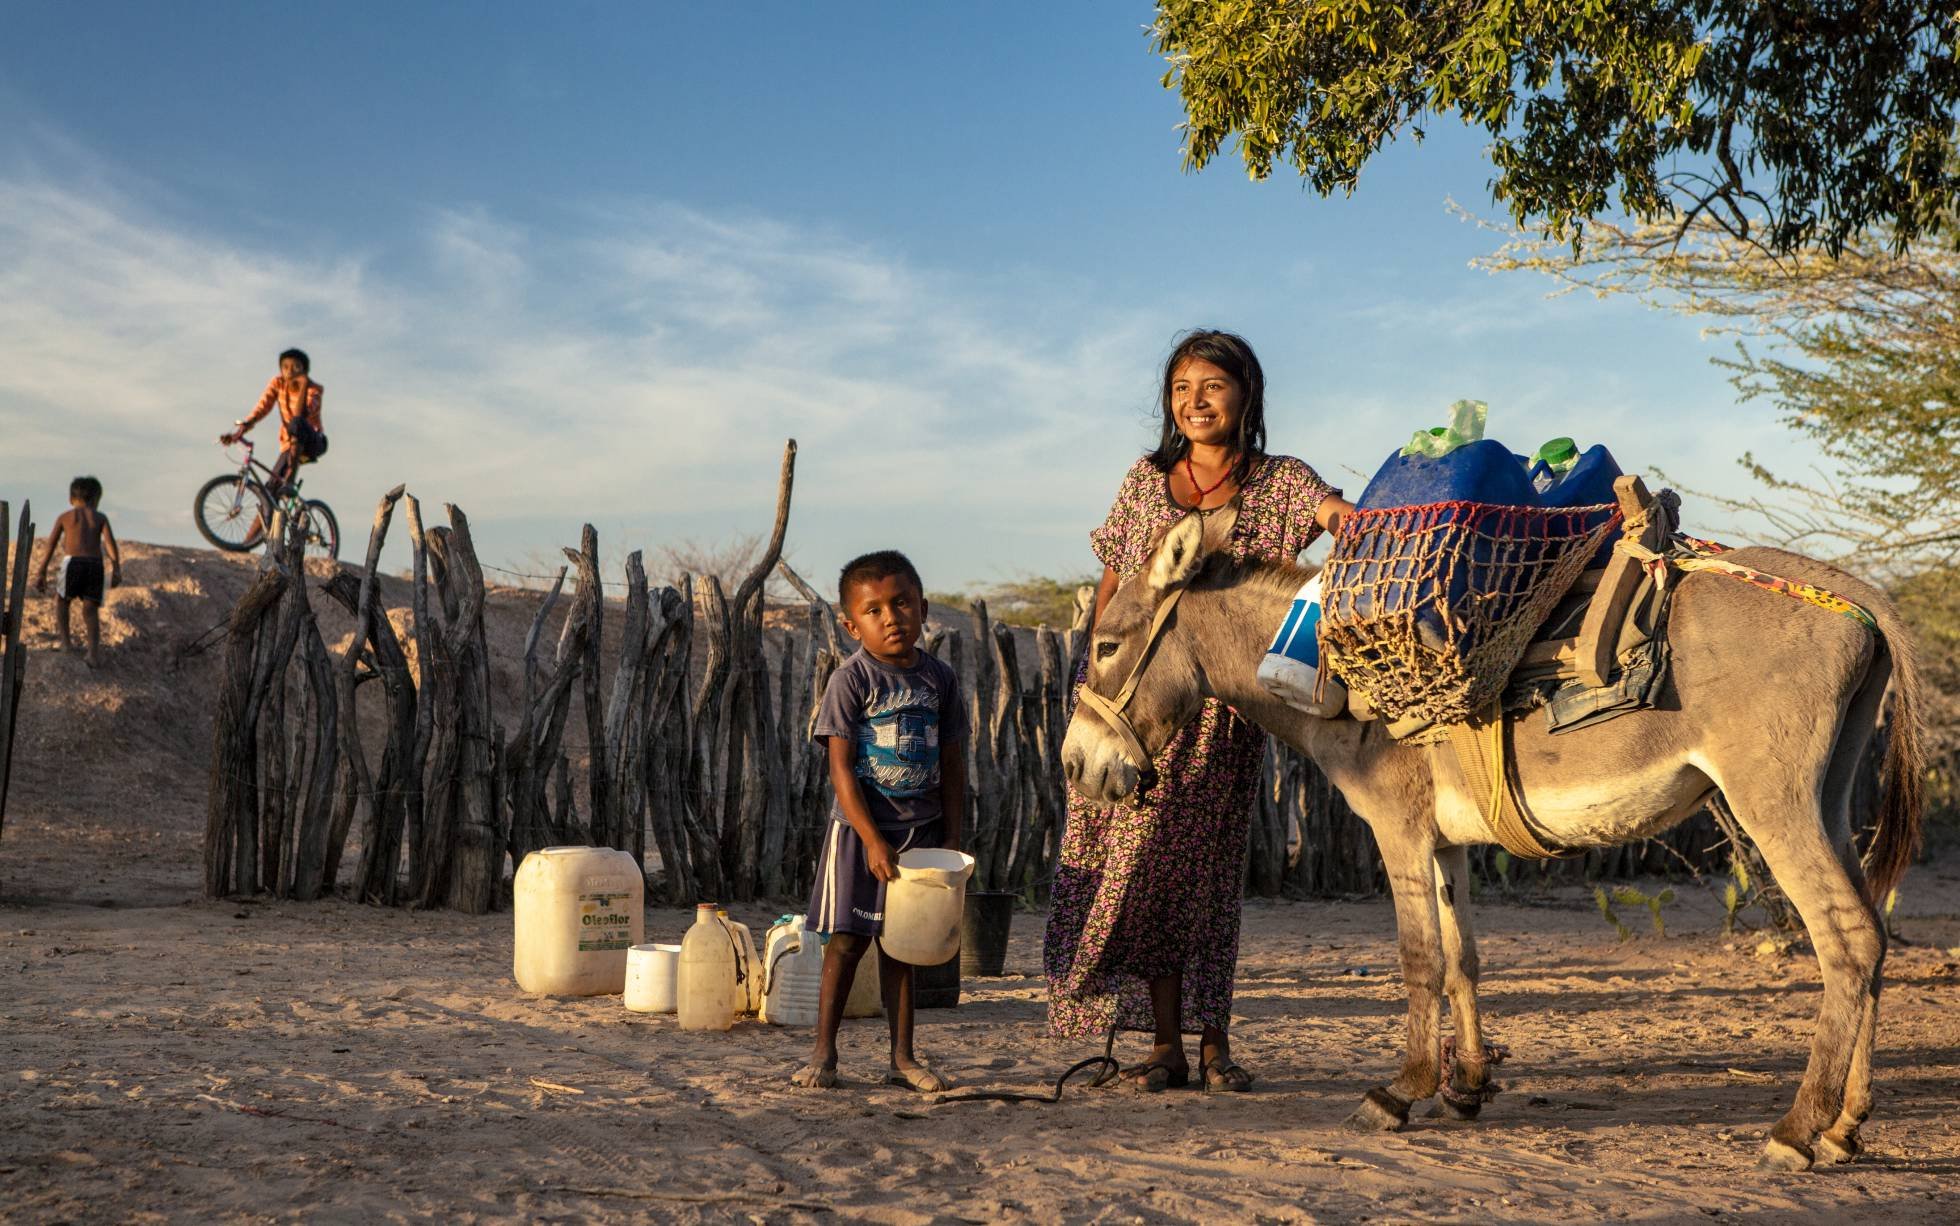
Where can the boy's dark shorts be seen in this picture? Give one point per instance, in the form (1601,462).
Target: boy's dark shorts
(81,579)
(845,896)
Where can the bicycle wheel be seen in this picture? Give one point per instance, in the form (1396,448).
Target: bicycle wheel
(322,531)
(232,512)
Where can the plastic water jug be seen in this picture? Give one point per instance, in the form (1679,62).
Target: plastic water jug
(1483,471)
(650,977)
(794,979)
(705,990)
(576,911)
(867,998)
(922,907)
(1290,670)
(1587,482)
(748,967)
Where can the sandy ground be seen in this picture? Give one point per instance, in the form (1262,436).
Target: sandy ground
(166,1057)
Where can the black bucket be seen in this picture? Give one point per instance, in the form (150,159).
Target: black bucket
(937,987)
(983,931)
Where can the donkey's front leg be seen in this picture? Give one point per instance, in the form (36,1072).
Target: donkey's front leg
(1466,1080)
(1411,864)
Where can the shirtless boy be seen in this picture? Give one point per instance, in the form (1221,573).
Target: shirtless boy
(81,531)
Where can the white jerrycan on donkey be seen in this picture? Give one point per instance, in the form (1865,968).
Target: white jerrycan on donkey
(922,907)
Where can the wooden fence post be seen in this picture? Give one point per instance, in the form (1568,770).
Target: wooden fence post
(13,657)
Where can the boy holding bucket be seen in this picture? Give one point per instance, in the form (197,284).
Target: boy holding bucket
(893,723)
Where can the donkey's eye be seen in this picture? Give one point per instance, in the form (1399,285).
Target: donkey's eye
(1105,650)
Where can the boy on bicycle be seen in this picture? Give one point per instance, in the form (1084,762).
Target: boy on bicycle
(300,436)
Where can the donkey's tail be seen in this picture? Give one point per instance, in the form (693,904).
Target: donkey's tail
(1895,839)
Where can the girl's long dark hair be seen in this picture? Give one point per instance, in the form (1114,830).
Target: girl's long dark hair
(1229,352)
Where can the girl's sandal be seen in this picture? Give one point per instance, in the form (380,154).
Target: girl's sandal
(1156,1077)
(1222,1075)
(814,1077)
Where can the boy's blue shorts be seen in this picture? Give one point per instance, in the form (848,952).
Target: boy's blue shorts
(845,896)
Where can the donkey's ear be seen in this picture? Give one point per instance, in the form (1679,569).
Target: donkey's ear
(1180,554)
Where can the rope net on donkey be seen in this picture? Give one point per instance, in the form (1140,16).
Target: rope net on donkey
(1426,609)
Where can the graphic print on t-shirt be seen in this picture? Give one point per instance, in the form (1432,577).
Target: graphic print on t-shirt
(898,742)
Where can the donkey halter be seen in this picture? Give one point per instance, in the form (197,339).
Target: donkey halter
(1111,710)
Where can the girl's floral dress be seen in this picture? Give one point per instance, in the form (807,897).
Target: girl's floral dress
(1153,889)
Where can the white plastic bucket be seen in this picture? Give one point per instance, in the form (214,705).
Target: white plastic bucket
(922,907)
(650,977)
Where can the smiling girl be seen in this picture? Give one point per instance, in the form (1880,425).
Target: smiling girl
(1144,929)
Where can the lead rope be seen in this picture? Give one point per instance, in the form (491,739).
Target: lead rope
(1106,1062)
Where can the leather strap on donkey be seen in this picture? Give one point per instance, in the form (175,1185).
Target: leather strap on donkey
(1483,751)
(1693,554)
(1110,710)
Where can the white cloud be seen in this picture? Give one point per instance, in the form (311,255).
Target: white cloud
(637,364)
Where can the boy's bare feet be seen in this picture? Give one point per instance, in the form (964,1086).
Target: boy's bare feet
(918,1076)
(815,1076)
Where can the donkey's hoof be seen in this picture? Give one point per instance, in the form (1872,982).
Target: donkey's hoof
(1783,1156)
(1464,1111)
(1832,1149)
(1378,1112)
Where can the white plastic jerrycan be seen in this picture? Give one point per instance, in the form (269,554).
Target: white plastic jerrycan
(576,911)
(793,960)
(922,907)
(704,987)
(748,967)
(1291,670)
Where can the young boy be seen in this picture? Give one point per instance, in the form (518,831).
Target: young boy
(81,531)
(893,723)
(301,434)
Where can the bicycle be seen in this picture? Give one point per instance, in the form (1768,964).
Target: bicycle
(233,509)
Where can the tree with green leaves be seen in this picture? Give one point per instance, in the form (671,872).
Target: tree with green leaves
(1786,123)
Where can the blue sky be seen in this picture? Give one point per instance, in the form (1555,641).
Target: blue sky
(596,262)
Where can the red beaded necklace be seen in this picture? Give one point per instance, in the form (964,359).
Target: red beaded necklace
(1191,475)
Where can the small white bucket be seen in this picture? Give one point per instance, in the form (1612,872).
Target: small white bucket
(650,977)
(922,908)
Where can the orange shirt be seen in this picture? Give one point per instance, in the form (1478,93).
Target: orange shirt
(275,393)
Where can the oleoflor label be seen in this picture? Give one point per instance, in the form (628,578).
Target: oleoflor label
(603,922)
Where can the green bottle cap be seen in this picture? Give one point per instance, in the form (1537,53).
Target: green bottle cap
(1558,454)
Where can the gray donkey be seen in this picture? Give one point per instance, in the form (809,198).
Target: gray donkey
(1771,702)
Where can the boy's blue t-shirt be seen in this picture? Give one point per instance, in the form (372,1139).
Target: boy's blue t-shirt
(898,718)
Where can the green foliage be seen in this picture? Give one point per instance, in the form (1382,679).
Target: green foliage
(1828,117)
(1031,601)
(1628,896)
(1605,905)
